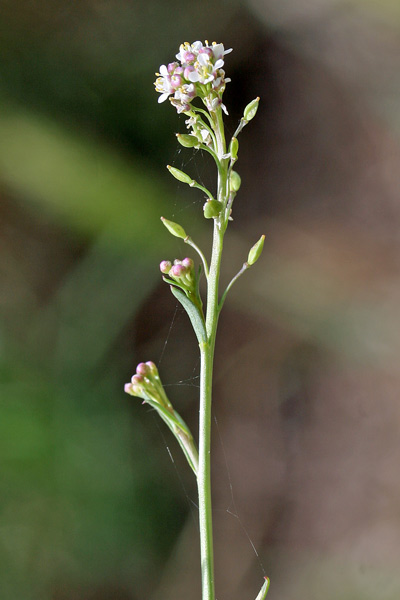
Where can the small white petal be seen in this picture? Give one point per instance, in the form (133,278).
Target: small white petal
(219,64)
(224,109)
(227,51)
(163,71)
(162,98)
(203,59)
(218,50)
(193,76)
(196,46)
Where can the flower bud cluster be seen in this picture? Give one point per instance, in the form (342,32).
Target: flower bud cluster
(197,72)
(182,271)
(146,384)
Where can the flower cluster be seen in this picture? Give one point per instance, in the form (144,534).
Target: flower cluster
(146,384)
(182,271)
(198,72)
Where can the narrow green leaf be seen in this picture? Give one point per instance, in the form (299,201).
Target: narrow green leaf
(194,314)
(180,430)
(264,590)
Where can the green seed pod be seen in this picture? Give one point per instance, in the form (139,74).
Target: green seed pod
(255,251)
(174,228)
(187,141)
(212,209)
(180,175)
(251,109)
(235,181)
(233,148)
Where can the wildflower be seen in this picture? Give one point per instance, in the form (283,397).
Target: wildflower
(198,72)
(146,384)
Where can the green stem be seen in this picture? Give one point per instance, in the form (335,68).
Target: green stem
(206,373)
(203,475)
(242,270)
(188,240)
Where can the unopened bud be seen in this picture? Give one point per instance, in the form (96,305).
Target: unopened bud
(255,251)
(212,209)
(188,263)
(251,109)
(180,175)
(128,388)
(178,271)
(152,367)
(174,228)
(235,181)
(165,266)
(186,140)
(233,148)
(142,369)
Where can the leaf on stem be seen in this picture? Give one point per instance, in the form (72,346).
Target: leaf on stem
(194,314)
(264,590)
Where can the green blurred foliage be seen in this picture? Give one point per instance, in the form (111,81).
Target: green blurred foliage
(88,497)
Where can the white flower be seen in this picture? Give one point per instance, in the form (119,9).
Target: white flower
(218,50)
(199,65)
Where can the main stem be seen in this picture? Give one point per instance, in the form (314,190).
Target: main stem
(206,373)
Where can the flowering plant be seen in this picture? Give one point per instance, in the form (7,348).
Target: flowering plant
(198,76)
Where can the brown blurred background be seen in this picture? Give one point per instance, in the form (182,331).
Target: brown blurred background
(307,382)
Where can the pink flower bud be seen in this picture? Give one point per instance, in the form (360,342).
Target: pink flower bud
(171,67)
(152,367)
(176,81)
(188,263)
(187,72)
(206,50)
(188,57)
(178,271)
(165,266)
(137,379)
(142,369)
(128,388)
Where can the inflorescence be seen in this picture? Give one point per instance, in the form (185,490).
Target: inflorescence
(198,72)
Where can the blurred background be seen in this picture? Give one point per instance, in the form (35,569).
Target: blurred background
(307,383)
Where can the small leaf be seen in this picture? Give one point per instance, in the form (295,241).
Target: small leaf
(264,590)
(194,314)
(180,430)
